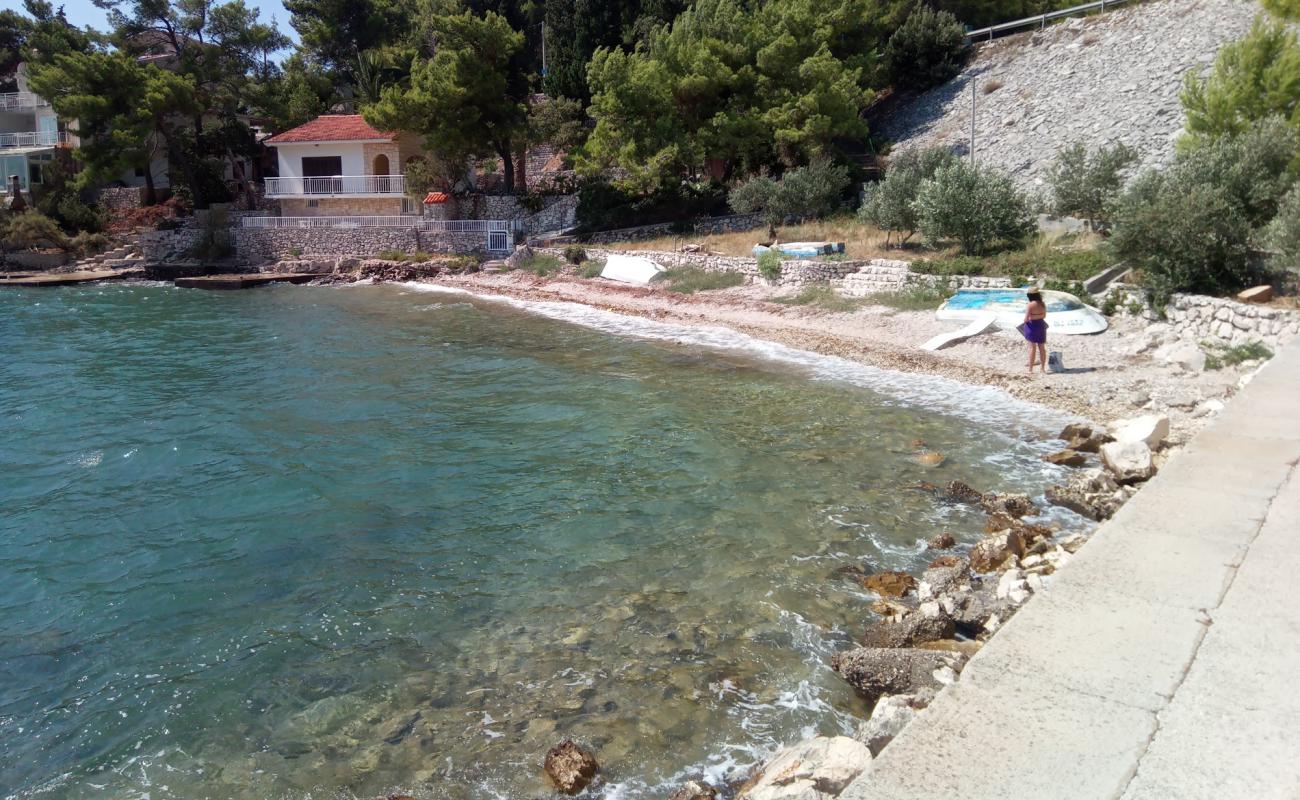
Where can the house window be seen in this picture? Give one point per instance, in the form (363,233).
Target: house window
(313,204)
(139,172)
(322,166)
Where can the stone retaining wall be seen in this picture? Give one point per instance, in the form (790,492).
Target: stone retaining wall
(258,245)
(1229,322)
(886,275)
(169,245)
(120,198)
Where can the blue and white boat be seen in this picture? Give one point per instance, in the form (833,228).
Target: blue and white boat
(802,249)
(1065,312)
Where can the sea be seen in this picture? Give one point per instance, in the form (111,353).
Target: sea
(341,542)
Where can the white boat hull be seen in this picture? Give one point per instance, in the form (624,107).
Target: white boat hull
(1066,314)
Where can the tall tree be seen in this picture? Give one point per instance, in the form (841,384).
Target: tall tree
(464,98)
(757,85)
(1254,78)
(335,33)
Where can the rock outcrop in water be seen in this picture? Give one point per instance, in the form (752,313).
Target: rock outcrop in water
(878,671)
(816,769)
(572,767)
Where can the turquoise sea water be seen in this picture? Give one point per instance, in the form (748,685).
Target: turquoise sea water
(319,542)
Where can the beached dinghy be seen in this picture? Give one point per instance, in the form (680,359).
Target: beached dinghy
(1065,312)
(802,249)
(630,269)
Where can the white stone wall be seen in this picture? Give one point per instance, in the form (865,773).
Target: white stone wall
(885,275)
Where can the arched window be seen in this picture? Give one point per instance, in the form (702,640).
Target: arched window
(381,165)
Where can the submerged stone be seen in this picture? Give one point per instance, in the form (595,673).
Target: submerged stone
(571,766)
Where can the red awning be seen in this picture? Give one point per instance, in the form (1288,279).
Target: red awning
(434,198)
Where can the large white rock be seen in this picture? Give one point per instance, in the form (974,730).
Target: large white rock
(1186,354)
(1149,429)
(816,769)
(1129,462)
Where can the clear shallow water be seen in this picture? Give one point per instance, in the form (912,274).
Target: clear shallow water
(315,542)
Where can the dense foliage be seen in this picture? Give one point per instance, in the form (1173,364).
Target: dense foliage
(1192,227)
(891,204)
(1283,234)
(1086,184)
(926,50)
(801,193)
(744,86)
(978,208)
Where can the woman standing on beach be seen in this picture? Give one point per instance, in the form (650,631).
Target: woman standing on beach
(1034,329)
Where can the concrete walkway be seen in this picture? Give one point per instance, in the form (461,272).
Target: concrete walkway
(1162,663)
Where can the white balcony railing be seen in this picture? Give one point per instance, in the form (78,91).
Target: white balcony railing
(337,185)
(33,139)
(12,101)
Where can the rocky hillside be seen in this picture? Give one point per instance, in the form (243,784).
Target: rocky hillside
(1113,77)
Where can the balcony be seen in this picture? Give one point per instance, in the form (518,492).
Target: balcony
(338,186)
(9,141)
(17,101)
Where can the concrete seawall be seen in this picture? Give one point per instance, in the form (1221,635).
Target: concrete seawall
(1160,663)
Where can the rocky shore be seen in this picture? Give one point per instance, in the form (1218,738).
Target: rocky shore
(923,631)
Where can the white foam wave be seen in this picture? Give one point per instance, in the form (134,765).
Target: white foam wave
(986,405)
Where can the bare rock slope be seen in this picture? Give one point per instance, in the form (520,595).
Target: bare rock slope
(1113,77)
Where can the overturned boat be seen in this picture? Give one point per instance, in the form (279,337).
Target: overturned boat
(1065,312)
(802,249)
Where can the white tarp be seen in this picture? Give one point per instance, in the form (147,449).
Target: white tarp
(630,269)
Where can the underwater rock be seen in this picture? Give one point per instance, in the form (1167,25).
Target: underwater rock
(1012,505)
(959,492)
(694,790)
(571,766)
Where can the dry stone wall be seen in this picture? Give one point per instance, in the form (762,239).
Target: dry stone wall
(885,275)
(260,245)
(1114,77)
(1228,322)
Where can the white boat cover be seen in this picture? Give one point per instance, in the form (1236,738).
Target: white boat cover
(630,269)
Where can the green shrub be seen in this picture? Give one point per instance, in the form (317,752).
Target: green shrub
(891,204)
(602,206)
(1219,356)
(1086,185)
(1283,234)
(541,264)
(823,296)
(686,280)
(32,229)
(804,192)
(86,244)
(393,255)
(926,50)
(769,265)
(976,207)
(591,269)
(575,254)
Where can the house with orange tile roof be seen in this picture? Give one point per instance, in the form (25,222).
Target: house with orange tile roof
(338,165)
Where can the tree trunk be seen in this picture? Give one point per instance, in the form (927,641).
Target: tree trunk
(508,164)
(521,168)
(150,194)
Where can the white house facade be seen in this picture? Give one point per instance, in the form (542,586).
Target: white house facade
(30,134)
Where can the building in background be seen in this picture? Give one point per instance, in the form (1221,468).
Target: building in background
(30,134)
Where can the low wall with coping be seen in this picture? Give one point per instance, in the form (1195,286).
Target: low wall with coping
(259,245)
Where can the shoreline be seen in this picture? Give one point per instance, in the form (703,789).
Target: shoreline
(1101,384)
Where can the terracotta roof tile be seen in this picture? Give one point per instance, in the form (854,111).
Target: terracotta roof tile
(332,128)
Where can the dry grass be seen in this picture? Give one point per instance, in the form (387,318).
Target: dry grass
(861,241)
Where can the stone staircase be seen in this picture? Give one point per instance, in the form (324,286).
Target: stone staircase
(126,254)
